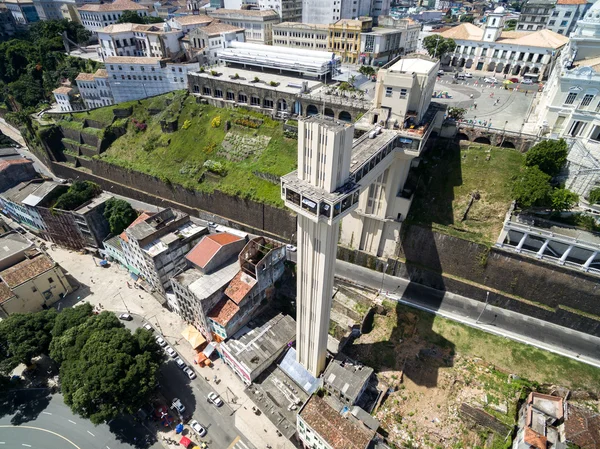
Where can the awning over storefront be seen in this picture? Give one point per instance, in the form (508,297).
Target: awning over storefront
(185,441)
(193,336)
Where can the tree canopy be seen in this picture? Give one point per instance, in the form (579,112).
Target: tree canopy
(33,63)
(79,193)
(134,17)
(366,70)
(105,370)
(25,336)
(532,187)
(548,155)
(563,199)
(594,197)
(437,46)
(119,215)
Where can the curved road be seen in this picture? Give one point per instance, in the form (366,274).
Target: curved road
(40,421)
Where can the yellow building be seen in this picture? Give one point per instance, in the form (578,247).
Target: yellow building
(344,37)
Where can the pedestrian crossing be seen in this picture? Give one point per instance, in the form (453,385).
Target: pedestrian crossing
(239,444)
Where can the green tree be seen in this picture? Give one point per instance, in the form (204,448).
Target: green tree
(27,91)
(548,155)
(134,17)
(367,70)
(25,336)
(71,317)
(563,199)
(437,46)
(467,18)
(79,192)
(105,370)
(510,25)
(532,187)
(594,196)
(119,215)
(456,113)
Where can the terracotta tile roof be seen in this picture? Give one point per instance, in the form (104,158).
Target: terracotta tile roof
(534,439)
(85,77)
(193,19)
(338,432)
(240,286)
(26,270)
(63,90)
(5,293)
(223,312)
(216,28)
(101,73)
(131,60)
(118,5)
(205,250)
(5,164)
(118,28)
(582,427)
(594,63)
(571,2)
(464,31)
(142,217)
(541,38)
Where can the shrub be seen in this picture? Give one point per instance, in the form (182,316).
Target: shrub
(214,73)
(532,187)
(79,193)
(256,79)
(247,123)
(216,122)
(236,76)
(139,126)
(273,83)
(563,199)
(595,196)
(215,167)
(548,155)
(187,124)
(201,70)
(119,215)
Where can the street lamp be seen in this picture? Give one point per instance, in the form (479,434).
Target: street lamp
(487,296)
(385,267)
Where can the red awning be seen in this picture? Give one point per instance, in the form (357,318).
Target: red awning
(185,441)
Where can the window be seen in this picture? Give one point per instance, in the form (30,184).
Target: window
(568,14)
(554,13)
(552,22)
(571,98)
(268,104)
(563,23)
(218,93)
(230,96)
(587,99)
(51,280)
(577,128)
(403,93)
(561,31)
(388,91)
(242,98)
(205,90)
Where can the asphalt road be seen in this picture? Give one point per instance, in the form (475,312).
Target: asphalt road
(515,326)
(218,421)
(35,419)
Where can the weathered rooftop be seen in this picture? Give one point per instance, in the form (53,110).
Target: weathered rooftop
(223,312)
(208,247)
(118,5)
(260,339)
(239,287)
(93,204)
(13,243)
(204,285)
(26,270)
(337,431)
(347,377)
(5,292)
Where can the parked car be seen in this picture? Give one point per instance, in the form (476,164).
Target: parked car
(148,327)
(215,399)
(198,428)
(490,80)
(161,342)
(178,405)
(190,372)
(514,80)
(440,72)
(527,81)
(180,363)
(468,75)
(169,350)
(125,317)
(291,248)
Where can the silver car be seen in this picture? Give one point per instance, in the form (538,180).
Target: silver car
(198,428)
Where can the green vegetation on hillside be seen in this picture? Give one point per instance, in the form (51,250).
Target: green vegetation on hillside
(449,175)
(201,155)
(80,192)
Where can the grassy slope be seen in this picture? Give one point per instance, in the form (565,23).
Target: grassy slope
(449,175)
(179,156)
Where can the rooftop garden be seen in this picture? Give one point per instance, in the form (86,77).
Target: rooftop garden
(79,193)
(236,151)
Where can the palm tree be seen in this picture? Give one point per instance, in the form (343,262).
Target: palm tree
(352,80)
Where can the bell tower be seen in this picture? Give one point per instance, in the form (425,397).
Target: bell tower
(494,25)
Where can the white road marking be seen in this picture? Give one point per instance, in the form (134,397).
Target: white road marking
(72,422)
(26,445)
(46,413)
(91,433)
(107,447)
(2,442)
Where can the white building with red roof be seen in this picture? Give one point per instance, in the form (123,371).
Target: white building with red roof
(95,16)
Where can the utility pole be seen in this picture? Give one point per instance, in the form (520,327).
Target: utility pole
(487,296)
(385,267)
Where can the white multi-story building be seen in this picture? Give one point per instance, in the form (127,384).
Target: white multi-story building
(329,11)
(565,15)
(189,23)
(132,78)
(67,99)
(94,89)
(258,24)
(569,106)
(94,17)
(203,44)
(23,11)
(301,35)
(382,44)
(505,52)
(130,39)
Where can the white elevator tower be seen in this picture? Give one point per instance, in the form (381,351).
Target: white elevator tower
(321,193)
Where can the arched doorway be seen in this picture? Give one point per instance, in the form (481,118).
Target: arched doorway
(516,70)
(312,110)
(483,140)
(345,116)
(491,66)
(329,112)
(525,70)
(507,69)
(507,144)
(297,107)
(469,63)
(500,67)
(462,136)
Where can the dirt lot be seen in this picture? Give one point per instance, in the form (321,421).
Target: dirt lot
(435,365)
